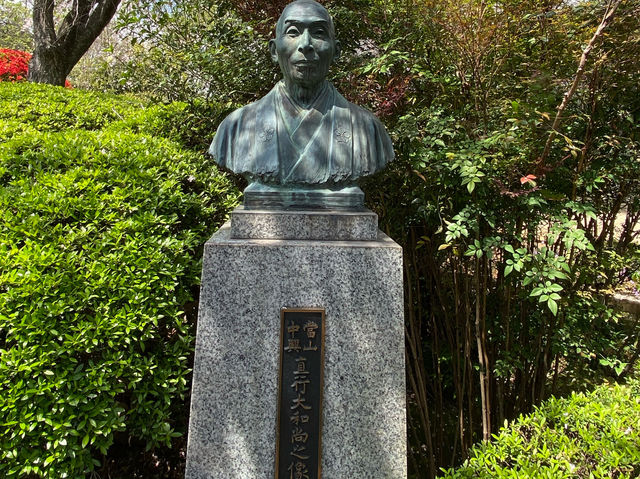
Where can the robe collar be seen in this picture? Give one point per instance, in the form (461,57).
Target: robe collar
(308,145)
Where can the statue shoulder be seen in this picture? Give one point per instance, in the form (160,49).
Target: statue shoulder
(232,144)
(362,118)
(372,143)
(359,114)
(238,118)
(363,115)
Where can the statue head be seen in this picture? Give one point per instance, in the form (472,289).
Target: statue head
(305,44)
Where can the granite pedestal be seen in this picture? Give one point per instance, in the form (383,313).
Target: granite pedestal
(245,283)
(359,225)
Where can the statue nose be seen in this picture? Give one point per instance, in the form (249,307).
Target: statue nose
(305,45)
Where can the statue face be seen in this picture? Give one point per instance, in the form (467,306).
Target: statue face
(304,46)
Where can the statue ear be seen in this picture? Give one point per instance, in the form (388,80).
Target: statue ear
(338,51)
(273,51)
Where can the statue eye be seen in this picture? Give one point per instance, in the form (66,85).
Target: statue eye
(292,31)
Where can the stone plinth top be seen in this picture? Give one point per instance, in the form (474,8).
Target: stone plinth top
(319,225)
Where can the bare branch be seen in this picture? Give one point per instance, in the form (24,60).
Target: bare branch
(79,9)
(606,20)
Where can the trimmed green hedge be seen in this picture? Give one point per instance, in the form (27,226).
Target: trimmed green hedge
(593,435)
(28,108)
(102,227)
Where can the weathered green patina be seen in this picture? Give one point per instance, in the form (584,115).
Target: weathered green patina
(303,145)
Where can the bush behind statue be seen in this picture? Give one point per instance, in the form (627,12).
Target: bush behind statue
(102,230)
(594,434)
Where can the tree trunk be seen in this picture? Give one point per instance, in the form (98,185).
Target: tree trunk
(56,52)
(47,67)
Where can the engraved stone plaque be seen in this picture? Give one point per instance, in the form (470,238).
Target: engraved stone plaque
(299,420)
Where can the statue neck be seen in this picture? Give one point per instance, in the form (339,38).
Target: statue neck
(304,96)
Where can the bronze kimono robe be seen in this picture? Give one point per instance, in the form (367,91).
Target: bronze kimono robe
(274,140)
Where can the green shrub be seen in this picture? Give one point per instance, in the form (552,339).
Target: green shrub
(102,227)
(587,435)
(37,108)
(43,108)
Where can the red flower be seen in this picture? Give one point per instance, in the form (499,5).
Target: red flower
(14,66)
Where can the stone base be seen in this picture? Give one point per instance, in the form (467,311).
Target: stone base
(245,283)
(359,225)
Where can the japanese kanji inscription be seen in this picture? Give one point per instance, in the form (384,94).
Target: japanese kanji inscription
(299,422)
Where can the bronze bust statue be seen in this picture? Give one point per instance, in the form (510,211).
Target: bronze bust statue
(303,144)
